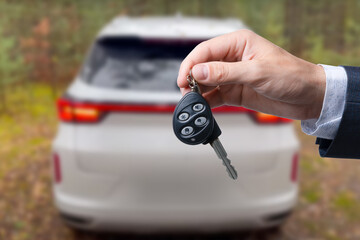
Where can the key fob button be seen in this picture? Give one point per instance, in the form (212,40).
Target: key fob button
(187,130)
(200,121)
(198,107)
(183,116)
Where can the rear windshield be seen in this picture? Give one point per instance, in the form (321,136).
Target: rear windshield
(137,64)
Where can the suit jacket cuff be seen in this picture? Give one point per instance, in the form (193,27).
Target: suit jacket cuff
(346,143)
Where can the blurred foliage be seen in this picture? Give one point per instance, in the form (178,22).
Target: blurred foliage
(47,40)
(27,115)
(26,207)
(348,203)
(10,64)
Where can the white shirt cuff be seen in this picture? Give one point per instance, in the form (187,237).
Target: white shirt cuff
(327,124)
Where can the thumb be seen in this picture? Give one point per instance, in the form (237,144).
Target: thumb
(220,73)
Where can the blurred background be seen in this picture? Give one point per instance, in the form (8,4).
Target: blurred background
(43,45)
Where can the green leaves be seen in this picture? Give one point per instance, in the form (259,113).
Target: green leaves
(11,62)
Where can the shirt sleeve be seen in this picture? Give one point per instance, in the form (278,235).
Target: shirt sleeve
(327,124)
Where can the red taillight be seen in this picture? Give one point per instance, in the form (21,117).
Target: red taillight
(267,118)
(56,168)
(72,112)
(294,167)
(86,112)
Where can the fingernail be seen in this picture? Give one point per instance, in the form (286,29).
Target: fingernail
(200,72)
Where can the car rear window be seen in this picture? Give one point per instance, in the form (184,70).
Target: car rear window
(135,63)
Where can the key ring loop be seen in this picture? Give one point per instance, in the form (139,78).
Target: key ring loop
(192,83)
(191,80)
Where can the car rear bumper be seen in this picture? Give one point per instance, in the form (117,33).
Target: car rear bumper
(99,216)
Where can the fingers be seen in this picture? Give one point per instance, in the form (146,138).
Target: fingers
(213,74)
(205,89)
(228,47)
(214,98)
(184,90)
(226,94)
(221,73)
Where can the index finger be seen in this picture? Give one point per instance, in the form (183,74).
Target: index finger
(229,47)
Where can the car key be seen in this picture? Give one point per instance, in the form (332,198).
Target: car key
(194,123)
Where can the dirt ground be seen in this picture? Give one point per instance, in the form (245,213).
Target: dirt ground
(328,207)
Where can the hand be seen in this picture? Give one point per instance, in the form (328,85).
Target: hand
(244,69)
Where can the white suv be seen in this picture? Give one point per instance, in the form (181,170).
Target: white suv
(117,163)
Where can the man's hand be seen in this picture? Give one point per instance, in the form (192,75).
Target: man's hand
(244,69)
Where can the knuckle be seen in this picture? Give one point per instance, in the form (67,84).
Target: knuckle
(187,64)
(203,46)
(245,32)
(220,73)
(183,64)
(197,48)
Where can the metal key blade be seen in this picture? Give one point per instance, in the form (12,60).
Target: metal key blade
(220,151)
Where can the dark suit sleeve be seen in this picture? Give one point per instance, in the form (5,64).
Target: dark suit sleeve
(346,143)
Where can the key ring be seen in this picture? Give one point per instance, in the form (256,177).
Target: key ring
(192,83)
(191,80)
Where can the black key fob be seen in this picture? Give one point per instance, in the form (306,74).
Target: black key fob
(193,121)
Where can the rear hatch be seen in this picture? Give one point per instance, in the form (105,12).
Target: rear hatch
(122,104)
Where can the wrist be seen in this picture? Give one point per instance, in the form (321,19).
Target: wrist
(332,110)
(317,79)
